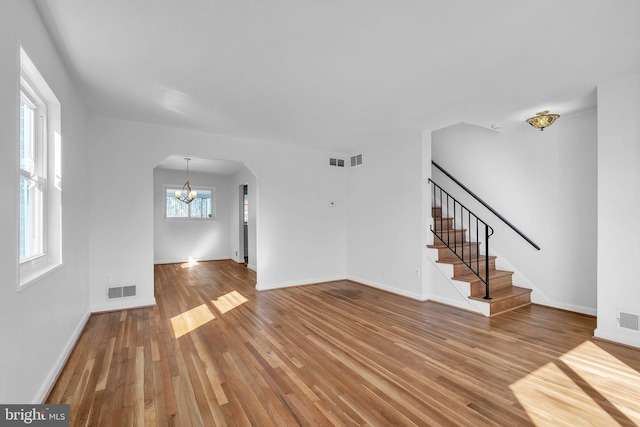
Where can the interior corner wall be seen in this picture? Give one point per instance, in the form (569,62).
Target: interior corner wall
(385,217)
(425,230)
(40,323)
(200,240)
(299,238)
(544,183)
(618,207)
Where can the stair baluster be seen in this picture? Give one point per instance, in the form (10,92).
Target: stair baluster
(442,198)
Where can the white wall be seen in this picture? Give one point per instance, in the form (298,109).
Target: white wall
(177,240)
(299,239)
(545,184)
(374,233)
(39,324)
(385,217)
(618,206)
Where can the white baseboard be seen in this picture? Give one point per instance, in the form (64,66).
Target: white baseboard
(633,341)
(261,287)
(401,292)
(180,261)
(50,381)
(389,289)
(562,306)
(127,304)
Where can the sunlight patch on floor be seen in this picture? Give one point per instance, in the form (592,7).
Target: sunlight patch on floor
(229,301)
(608,376)
(190,263)
(551,398)
(582,388)
(190,320)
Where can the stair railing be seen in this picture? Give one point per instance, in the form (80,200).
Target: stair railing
(483,203)
(454,212)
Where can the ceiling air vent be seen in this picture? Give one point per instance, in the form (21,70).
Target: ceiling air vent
(121,291)
(356,160)
(629,321)
(336,162)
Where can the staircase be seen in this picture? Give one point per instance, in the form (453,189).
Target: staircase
(504,296)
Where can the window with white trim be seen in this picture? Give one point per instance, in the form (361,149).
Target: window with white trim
(202,207)
(39,170)
(33,118)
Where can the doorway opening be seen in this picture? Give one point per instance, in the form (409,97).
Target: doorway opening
(244,221)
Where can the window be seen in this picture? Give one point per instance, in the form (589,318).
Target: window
(39,170)
(32,182)
(245,205)
(202,207)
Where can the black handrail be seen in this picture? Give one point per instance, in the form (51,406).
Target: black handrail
(493,211)
(445,200)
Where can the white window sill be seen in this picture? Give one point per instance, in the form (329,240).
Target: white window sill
(32,277)
(191,219)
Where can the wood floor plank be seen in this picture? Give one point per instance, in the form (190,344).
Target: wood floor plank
(216,352)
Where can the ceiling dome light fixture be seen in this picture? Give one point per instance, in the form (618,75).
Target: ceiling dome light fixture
(542,119)
(187,195)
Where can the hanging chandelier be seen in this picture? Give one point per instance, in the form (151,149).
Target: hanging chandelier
(186,195)
(542,119)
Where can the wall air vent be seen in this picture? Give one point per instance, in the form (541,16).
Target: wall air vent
(356,160)
(629,320)
(121,291)
(336,162)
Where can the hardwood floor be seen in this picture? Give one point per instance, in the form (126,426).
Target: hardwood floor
(214,351)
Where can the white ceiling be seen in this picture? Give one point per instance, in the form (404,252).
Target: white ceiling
(341,74)
(211,166)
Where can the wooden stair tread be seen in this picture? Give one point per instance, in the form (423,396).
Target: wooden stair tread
(502,294)
(446,231)
(457,260)
(439,244)
(493,274)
